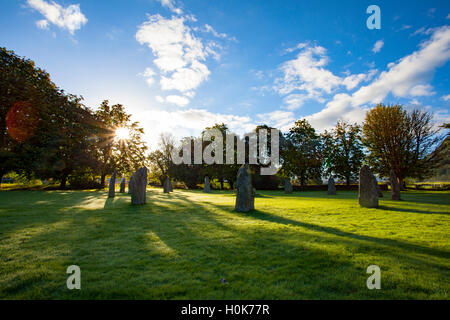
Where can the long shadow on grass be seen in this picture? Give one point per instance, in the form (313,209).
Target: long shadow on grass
(266,216)
(388,208)
(174,247)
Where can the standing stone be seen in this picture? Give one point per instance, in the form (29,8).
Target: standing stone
(138,186)
(288,186)
(331,186)
(245,197)
(166,186)
(112,186)
(129,185)
(207,187)
(122,185)
(368,194)
(380,194)
(395,187)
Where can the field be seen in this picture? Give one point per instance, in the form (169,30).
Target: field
(191,245)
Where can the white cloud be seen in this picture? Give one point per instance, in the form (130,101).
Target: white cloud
(216,34)
(190,122)
(279,119)
(305,77)
(180,56)
(42,24)
(70,18)
(171,5)
(178,100)
(377,46)
(448,16)
(446,98)
(421,90)
(406,78)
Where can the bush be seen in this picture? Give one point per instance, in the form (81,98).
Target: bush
(83,180)
(266,182)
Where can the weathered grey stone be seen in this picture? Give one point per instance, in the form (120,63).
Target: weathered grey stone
(368,194)
(395,186)
(380,194)
(138,186)
(166,186)
(288,186)
(245,195)
(122,185)
(331,186)
(112,186)
(130,185)
(207,187)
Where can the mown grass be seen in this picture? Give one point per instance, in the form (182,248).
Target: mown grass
(302,246)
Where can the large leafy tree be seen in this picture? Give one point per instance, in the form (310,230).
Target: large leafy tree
(400,141)
(123,154)
(302,153)
(24,89)
(343,151)
(43,130)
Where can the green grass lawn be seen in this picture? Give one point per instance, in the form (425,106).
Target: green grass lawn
(306,245)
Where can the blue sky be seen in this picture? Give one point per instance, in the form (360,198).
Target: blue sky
(179,66)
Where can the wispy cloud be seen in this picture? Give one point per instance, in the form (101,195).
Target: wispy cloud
(377,46)
(171,5)
(70,18)
(407,78)
(208,28)
(446,98)
(306,77)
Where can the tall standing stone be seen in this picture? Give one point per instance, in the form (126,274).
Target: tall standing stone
(122,185)
(368,194)
(288,186)
(331,186)
(380,194)
(395,186)
(207,187)
(112,186)
(138,186)
(245,197)
(130,186)
(166,186)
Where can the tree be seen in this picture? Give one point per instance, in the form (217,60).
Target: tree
(400,141)
(43,130)
(24,89)
(160,160)
(122,154)
(343,151)
(302,154)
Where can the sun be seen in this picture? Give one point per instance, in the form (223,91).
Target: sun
(122,134)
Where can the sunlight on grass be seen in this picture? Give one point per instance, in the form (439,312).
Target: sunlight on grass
(302,246)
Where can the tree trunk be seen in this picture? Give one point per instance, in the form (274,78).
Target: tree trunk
(63,181)
(221,184)
(347,180)
(102,181)
(401,183)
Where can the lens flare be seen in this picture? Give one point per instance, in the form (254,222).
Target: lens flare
(21,121)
